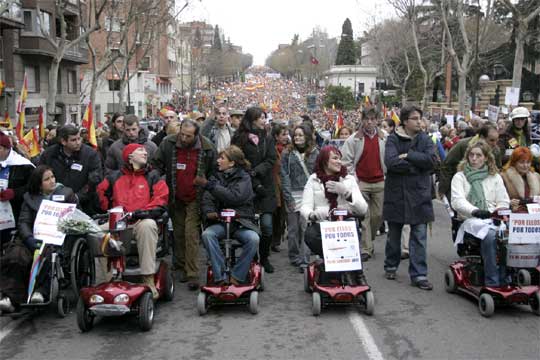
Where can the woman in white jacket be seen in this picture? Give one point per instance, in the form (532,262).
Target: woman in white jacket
(328,188)
(477,190)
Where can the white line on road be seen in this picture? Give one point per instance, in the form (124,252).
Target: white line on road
(367,340)
(11,325)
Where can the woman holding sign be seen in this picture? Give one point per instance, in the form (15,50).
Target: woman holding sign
(520,179)
(330,187)
(477,191)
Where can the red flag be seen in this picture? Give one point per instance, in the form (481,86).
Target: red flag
(88,124)
(41,124)
(314,60)
(339,123)
(21,106)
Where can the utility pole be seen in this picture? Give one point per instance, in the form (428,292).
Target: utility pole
(475,72)
(128,89)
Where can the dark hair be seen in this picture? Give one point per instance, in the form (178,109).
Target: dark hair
(50,127)
(67,130)
(130,120)
(406,112)
(114,117)
(234,153)
(485,129)
(370,110)
(391,124)
(306,118)
(251,115)
(191,123)
(277,128)
(308,135)
(36,178)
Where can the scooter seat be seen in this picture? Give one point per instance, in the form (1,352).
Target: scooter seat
(470,246)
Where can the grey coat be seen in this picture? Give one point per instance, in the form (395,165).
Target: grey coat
(293,176)
(114,159)
(407,189)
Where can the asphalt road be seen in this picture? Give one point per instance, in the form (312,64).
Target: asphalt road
(408,324)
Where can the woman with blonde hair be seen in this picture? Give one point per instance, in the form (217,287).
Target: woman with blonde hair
(521,181)
(477,190)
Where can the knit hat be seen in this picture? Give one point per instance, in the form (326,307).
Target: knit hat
(128,150)
(5,141)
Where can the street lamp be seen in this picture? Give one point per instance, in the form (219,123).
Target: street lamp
(476,10)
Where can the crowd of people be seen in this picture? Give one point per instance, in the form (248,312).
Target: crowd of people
(283,167)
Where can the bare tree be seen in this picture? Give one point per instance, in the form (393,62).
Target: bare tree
(5,6)
(62,44)
(521,26)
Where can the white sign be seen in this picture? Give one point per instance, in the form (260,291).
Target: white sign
(46,223)
(493,113)
(524,229)
(449,120)
(341,248)
(533,208)
(512,96)
(7,221)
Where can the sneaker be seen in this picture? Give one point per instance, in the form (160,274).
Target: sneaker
(6,305)
(302,268)
(275,248)
(423,284)
(365,257)
(390,275)
(37,298)
(267,266)
(149,281)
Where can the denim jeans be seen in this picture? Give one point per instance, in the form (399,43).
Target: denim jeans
(493,274)
(249,240)
(417,250)
(266,230)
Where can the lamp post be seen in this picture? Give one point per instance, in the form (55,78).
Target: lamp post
(476,9)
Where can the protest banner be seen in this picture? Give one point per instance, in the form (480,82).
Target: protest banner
(493,113)
(533,208)
(341,248)
(524,229)
(46,223)
(512,96)
(7,220)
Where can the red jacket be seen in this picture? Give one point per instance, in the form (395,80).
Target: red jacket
(131,190)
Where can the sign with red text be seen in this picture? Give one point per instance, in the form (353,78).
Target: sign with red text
(341,248)
(46,223)
(524,229)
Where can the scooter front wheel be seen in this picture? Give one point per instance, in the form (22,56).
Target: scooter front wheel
(369,298)
(486,305)
(202,303)
(449,281)
(254,302)
(316,304)
(146,311)
(523,277)
(85,319)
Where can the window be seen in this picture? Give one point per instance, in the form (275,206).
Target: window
(32,75)
(46,23)
(112,23)
(72,81)
(114,85)
(28,21)
(145,63)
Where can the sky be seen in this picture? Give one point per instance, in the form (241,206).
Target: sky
(260,25)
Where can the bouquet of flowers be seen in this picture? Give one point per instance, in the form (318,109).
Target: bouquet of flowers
(78,223)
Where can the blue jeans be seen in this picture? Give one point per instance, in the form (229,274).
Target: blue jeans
(266,230)
(249,240)
(417,250)
(493,274)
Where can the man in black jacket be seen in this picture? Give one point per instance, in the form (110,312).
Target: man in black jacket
(75,165)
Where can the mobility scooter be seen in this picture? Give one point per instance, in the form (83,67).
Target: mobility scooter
(338,288)
(124,294)
(225,294)
(466,275)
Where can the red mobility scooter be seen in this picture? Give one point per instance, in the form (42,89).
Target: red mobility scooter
(227,294)
(124,294)
(337,288)
(466,275)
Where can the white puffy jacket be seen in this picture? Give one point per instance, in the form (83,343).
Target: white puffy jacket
(494,191)
(313,199)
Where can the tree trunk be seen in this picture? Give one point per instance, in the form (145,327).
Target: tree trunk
(462,91)
(121,96)
(53,88)
(93,89)
(519,55)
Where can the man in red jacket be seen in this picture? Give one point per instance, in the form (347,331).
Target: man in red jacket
(140,190)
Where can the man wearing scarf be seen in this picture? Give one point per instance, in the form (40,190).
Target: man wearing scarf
(15,171)
(363,155)
(410,160)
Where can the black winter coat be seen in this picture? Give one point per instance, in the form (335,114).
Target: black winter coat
(231,190)
(18,181)
(262,158)
(407,188)
(31,205)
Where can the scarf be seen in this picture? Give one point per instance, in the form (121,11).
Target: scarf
(324,178)
(15,159)
(475,177)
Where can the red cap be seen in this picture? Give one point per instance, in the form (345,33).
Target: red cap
(5,141)
(128,150)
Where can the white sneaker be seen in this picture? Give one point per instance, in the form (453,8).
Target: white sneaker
(6,305)
(37,298)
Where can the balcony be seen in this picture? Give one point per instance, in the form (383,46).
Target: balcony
(38,45)
(13,17)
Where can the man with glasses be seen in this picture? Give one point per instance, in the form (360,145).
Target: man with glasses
(166,118)
(363,155)
(220,133)
(410,160)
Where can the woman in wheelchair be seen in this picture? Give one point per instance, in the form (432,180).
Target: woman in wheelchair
(330,187)
(477,191)
(42,185)
(230,189)
(520,179)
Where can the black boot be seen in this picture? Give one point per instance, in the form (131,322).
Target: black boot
(267,266)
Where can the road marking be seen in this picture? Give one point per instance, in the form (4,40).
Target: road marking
(11,325)
(367,340)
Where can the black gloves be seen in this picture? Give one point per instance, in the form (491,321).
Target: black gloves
(32,243)
(481,214)
(140,214)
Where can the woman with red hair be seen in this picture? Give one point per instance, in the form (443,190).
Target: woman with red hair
(521,181)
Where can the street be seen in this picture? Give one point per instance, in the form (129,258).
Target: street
(408,323)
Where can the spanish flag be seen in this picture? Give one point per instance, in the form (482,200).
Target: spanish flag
(31,142)
(395,118)
(7,122)
(2,86)
(21,106)
(41,123)
(88,124)
(339,123)
(366,101)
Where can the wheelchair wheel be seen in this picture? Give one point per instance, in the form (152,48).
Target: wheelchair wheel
(146,311)
(523,277)
(85,319)
(62,306)
(168,294)
(486,305)
(82,267)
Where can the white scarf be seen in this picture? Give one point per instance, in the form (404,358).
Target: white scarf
(15,159)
